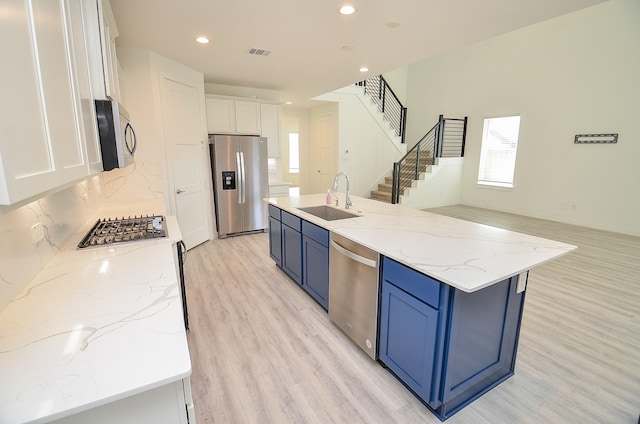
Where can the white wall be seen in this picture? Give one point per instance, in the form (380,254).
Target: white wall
(142,101)
(576,74)
(398,81)
(441,187)
(365,151)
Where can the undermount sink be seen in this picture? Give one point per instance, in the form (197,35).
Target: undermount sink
(328,213)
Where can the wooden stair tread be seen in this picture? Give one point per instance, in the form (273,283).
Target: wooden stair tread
(382,196)
(385,187)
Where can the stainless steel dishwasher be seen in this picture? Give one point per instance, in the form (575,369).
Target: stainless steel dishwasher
(353,291)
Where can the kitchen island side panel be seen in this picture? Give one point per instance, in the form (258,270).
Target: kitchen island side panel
(482,343)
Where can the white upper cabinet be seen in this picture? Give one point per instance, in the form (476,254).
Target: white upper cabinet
(247,117)
(100,34)
(270,117)
(44,98)
(230,116)
(227,115)
(221,115)
(110,60)
(80,29)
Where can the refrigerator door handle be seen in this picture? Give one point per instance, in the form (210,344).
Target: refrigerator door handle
(239,176)
(243,186)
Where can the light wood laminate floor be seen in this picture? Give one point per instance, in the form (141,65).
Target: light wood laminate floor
(264,352)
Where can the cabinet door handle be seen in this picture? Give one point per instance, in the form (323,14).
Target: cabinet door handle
(178,191)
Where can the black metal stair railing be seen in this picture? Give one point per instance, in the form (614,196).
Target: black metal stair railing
(388,103)
(445,139)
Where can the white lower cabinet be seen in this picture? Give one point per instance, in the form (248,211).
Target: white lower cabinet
(44,95)
(279,189)
(169,404)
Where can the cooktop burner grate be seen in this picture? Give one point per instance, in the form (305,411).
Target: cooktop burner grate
(109,231)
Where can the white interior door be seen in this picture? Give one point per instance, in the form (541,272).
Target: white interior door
(322,150)
(187,157)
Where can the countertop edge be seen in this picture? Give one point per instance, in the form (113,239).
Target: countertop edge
(381,210)
(111,399)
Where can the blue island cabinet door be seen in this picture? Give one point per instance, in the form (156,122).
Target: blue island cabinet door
(315,262)
(408,335)
(315,268)
(275,240)
(292,253)
(482,342)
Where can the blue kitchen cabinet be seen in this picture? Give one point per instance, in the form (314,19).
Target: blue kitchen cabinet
(408,338)
(447,346)
(412,325)
(275,235)
(315,262)
(292,246)
(301,249)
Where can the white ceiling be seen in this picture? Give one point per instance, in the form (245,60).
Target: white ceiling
(307,38)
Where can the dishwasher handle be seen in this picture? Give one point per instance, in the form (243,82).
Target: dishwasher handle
(349,254)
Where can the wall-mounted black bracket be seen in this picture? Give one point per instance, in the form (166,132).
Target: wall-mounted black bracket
(595,138)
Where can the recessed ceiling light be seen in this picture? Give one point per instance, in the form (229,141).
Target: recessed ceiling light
(347,9)
(364,69)
(202,40)
(288,103)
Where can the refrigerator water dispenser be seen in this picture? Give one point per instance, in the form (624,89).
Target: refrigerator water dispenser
(228,180)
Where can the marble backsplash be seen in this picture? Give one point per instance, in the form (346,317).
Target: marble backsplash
(62,214)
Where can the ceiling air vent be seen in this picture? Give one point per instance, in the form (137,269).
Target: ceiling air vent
(259,52)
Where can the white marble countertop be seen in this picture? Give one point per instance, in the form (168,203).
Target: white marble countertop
(463,254)
(95,325)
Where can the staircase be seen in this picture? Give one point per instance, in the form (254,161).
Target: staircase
(419,167)
(384,192)
(445,139)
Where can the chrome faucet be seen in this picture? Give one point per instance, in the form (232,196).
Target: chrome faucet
(347,200)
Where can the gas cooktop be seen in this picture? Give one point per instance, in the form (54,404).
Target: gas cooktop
(119,230)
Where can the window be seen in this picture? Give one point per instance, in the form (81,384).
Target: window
(498,155)
(294,154)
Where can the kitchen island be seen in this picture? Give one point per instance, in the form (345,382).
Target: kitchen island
(463,254)
(451,292)
(98,336)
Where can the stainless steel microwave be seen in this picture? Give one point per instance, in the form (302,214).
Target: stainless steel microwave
(117,138)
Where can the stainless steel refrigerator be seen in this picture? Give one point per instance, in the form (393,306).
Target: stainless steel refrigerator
(241,182)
